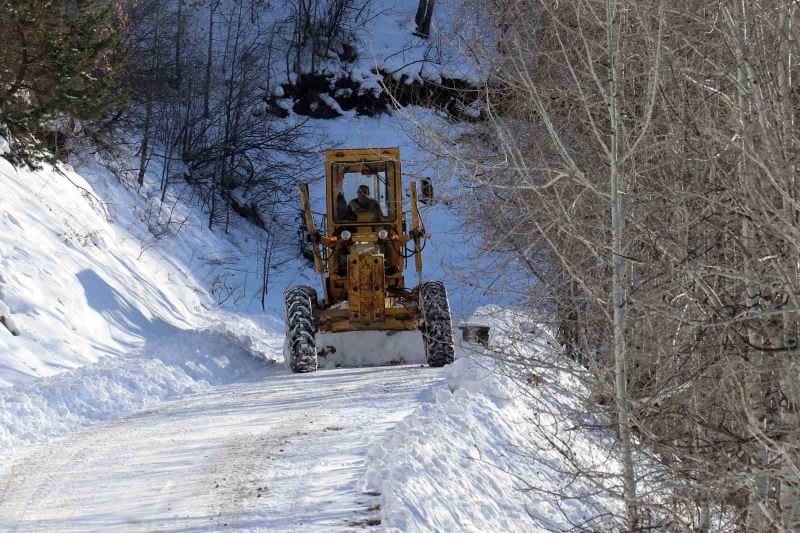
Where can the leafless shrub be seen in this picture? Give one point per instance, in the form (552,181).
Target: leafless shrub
(639,163)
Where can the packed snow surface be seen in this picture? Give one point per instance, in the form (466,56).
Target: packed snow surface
(247,446)
(285,453)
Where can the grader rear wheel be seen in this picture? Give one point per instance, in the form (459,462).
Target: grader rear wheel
(300,329)
(437,328)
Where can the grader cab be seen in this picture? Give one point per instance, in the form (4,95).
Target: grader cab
(361,259)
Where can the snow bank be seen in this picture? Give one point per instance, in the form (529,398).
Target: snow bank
(91,269)
(54,406)
(170,367)
(77,282)
(110,318)
(478,458)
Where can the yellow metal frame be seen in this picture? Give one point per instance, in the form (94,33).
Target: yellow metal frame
(366,288)
(366,155)
(367,283)
(305,204)
(396,319)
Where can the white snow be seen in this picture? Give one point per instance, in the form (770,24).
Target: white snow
(285,103)
(281,454)
(344,93)
(330,102)
(4,147)
(92,270)
(169,367)
(405,449)
(73,279)
(395,49)
(473,460)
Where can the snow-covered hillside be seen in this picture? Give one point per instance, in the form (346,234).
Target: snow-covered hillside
(84,277)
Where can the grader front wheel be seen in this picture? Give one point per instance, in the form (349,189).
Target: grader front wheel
(300,329)
(437,328)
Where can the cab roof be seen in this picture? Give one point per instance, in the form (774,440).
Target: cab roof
(361,154)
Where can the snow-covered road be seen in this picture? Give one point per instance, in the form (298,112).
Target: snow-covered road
(287,453)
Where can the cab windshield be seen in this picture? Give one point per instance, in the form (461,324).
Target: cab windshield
(364,192)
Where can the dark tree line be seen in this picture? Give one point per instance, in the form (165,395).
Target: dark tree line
(59,61)
(198,79)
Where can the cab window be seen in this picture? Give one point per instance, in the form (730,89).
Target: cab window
(364,192)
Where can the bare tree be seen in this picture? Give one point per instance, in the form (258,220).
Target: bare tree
(637,158)
(319,28)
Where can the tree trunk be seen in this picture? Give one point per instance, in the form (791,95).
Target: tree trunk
(268,249)
(22,69)
(209,58)
(423,17)
(618,265)
(179,49)
(754,408)
(148,114)
(790,410)
(148,117)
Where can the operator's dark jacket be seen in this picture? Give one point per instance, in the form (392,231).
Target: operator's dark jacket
(370,205)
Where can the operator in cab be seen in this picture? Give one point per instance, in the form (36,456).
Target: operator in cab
(363,203)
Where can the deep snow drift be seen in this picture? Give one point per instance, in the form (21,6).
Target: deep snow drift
(168,367)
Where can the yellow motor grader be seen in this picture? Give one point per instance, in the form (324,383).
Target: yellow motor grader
(361,258)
